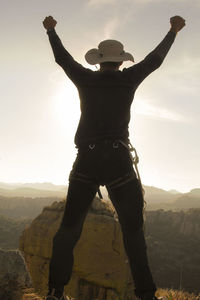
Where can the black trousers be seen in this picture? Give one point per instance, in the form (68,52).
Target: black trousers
(106,163)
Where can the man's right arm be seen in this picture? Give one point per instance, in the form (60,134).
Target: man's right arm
(72,68)
(62,56)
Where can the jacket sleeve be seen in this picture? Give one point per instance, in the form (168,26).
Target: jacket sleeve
(73,69)
(153,60)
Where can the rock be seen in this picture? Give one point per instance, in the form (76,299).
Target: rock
(100,266)
(29,294)
(14,276)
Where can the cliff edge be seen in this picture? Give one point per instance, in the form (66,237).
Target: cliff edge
(101,269)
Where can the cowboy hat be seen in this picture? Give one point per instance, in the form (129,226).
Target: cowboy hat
(108,50)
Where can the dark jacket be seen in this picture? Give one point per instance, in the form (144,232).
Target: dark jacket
(106,96)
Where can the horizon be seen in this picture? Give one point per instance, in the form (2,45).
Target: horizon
(40,106)
(102,187)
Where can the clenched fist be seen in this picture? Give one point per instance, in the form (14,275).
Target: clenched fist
(49,22)
(177,23)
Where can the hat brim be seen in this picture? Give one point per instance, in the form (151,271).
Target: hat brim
(93,57)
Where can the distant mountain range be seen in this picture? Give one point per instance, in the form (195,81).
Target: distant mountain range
(168,200)
(32,190)
(38,185)
(155,198)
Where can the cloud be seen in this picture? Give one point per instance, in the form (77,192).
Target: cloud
(110,27)
(106,30)
(183,75)
(97,3)
(144,108)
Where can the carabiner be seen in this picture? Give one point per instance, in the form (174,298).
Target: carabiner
(116,144)
(91,146)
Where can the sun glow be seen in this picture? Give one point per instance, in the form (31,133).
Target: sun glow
(66,107)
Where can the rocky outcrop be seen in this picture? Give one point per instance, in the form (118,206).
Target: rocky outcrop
(186,223)
(173,244)
(29,294)
(100,268)
(14,277)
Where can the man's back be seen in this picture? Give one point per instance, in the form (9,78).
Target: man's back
(106,96)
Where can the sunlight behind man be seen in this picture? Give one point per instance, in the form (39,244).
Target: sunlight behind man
(65,104)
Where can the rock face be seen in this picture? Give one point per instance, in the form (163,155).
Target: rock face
(100,268)
(14,276)
(173,244)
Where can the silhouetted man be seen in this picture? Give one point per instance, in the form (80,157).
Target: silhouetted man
(103,158)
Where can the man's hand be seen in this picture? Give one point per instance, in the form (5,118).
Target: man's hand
(177,23)
(49,23)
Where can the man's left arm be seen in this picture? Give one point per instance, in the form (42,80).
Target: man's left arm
(155,58)
(177,23)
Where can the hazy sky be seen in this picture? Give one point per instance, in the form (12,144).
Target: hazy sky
(39,106)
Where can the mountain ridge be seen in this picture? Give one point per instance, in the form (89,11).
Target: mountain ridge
(155,198)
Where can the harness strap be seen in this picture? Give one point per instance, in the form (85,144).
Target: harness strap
(135,160)
(99,193)
(81,177)
(121,180)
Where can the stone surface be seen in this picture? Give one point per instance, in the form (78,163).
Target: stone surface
(29,294)
(14,276)
(100,268)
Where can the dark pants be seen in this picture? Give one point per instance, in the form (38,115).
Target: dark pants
(106,164)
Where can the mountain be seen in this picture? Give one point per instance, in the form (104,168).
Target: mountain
(179,201)
(10,231)
(152,195)
(32,192)
(45,189)
(24,207)
(175,192)
(41,186)
(195,192)
(156,195)
(155,198)
(32,189)
(188,200)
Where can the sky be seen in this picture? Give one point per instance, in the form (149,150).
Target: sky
(39,106)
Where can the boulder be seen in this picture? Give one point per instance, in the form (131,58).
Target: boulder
(101,270)
(14,277)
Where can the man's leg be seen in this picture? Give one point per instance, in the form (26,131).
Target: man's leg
(79,198)
(128,202)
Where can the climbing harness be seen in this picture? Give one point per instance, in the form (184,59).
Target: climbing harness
(135,160)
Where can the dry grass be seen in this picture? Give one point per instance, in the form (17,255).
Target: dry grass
(168,294)
(177,295)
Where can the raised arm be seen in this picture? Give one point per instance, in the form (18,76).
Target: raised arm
(155,58)
(177,23)
(72,68)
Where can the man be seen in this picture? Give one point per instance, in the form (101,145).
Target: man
(103,157)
